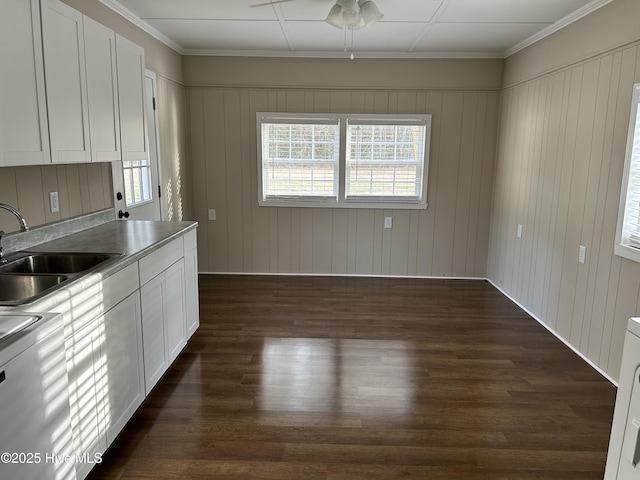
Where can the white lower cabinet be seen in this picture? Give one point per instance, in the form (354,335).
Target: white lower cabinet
(163,321)
(34,418)
(120,368)
(83,355)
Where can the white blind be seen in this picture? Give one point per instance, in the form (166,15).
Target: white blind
(300,158)
(385,160)
(631,225)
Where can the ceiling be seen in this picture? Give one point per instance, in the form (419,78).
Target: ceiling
(410,28)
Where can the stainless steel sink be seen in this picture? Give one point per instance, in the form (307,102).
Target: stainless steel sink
(59,263)
(19,288)
(28,276)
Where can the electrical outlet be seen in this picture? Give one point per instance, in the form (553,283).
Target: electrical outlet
(519,233)
(388,222)
(212,214)
(53,201)
(582,254)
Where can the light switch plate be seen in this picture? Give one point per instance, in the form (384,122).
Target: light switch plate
(519,232)
(388,222)
(212,214)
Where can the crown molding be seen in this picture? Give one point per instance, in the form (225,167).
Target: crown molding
(559,25)
(141,24)
(333,54)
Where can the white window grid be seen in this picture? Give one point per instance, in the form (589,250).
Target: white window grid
(391,172)
(137,182)
(300,160)
(384,160)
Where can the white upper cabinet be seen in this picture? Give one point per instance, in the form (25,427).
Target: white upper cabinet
(102,91)
(64,62)
(72,90)
(24,133)
(133,128)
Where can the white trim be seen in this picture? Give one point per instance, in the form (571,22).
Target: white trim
(340,54)
(555,334)
(559,25)
(350,275)
(623,246)
(141,24)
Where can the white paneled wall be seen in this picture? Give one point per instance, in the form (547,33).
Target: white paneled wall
(450,238)
(558,174)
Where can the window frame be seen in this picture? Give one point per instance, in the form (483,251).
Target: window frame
(622,248)
(399,202)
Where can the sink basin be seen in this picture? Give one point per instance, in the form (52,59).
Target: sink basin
(30,275)
(19,288)
(57,263)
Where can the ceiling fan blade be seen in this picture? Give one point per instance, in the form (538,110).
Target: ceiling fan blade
(269,3)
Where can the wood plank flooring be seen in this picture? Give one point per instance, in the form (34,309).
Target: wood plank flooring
(367,378)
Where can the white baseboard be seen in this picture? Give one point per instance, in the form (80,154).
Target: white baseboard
(354,275)
(555,334)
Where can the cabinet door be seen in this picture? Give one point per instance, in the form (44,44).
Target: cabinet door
(83,355)
(24,132)
(65,73)
(192,297)
(175,305)
(122,366)
(35,411)
(133,124)
(153,321)
(102,91)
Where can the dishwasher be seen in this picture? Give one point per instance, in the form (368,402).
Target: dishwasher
(623,458)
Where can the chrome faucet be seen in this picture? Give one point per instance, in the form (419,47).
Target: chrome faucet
(23,225)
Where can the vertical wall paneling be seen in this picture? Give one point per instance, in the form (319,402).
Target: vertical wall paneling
(199,175)
(426,230)
(28,188)
(559,168)
(446,239)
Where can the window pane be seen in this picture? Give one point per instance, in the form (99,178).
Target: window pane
(299,160)
(137,181)
(385,160)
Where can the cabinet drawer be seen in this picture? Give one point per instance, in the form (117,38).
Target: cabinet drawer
(119,286)
(190,240)
(96,297)
(157,262)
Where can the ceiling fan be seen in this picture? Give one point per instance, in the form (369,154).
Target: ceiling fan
(353,14)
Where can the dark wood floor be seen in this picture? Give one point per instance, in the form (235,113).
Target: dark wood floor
(357,378)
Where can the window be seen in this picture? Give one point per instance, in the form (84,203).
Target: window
(354,161)
(628,229)
(137,181)
(300,158)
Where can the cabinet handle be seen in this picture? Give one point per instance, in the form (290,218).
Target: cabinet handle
(3,376)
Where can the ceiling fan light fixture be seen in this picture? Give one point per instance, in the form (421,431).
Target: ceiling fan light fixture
(353,14)
(350,8)
(335,16)
(369,12)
